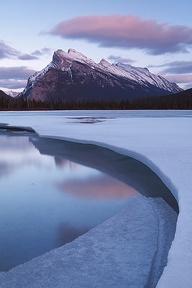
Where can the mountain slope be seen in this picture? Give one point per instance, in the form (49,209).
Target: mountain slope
(73,78)
(144,77)
(11,92)
(185,93)
(4,96)
(181,100)
(5,100)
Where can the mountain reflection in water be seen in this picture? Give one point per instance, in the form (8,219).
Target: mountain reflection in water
(49,200)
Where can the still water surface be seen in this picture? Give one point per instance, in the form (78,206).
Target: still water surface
(47,201)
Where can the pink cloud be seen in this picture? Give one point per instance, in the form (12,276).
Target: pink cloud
(127,32)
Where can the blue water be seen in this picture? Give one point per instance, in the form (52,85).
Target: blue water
(47,201)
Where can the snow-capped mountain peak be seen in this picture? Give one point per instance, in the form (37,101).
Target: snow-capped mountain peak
(62,59)
(144,77)
(73,63)
(73,54)
(11,92)
(105,63)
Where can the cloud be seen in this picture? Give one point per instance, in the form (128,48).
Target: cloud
(7,51)
(127,32)
(27,57)
(178,67)
(12,83)
(19,73)
(177,71)
(120,59)
(35,54)
(185,80)
(41,52)
(14,77)
(180,78)
(188,86)
(175,67)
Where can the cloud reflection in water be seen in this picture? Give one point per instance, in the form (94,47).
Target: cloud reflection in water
(100,187)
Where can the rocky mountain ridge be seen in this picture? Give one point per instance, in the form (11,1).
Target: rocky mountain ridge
(73,77)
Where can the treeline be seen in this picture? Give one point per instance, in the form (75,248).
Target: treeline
(178,101)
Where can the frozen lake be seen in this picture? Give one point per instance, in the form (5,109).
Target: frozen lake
(53,191)
(102,113)
(162,141)
(47,201)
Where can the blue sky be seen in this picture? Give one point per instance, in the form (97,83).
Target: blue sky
(25,27)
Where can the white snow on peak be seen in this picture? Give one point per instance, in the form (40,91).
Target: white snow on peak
(141,75)
(63,60)
(104,63)
(111,68)
(71,55)
(144,77)
(78,55)
(12,92)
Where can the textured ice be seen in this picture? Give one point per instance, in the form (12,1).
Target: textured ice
(162,140)
(107,256)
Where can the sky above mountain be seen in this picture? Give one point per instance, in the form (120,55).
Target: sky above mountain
(153,34)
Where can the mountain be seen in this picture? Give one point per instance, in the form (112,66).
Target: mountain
(184,94)
(11,92)
(71,77)
(181,100)
(4,100)
(145,77)
(4,96)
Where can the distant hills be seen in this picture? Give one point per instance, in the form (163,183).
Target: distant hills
(73,81)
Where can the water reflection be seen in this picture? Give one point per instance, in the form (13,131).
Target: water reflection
(49,200)
(101,187)
(54,191)
(68,233)
(17,151)
(124,168)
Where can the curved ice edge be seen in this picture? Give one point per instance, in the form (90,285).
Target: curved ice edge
(14,128)
(135,155)
(107,250)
